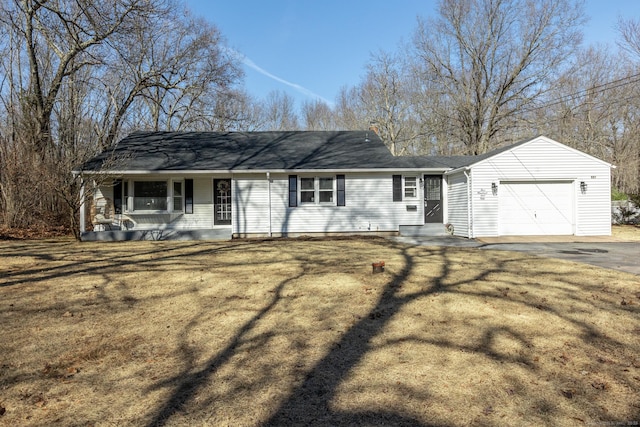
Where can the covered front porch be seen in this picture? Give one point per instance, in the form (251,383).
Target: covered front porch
(156,207)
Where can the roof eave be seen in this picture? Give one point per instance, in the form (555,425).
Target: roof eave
(254,171)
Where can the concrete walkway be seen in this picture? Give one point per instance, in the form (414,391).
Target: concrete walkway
(601,251)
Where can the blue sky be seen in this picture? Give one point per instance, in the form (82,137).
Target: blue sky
(311,49)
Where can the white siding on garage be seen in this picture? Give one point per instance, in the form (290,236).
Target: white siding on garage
(543,159)
(458,207)
(369,207)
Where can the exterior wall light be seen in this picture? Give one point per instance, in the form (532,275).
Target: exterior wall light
(494,188)
(583,187)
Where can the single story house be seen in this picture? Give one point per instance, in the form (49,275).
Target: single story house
(157,185)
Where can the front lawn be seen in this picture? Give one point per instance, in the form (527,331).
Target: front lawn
(301,332)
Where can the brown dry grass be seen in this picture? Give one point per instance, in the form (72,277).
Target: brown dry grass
(626,232)
(300,332)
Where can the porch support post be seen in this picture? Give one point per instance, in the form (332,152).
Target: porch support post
(82,206)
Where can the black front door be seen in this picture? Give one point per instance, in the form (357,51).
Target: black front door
(222,201)
(433,199)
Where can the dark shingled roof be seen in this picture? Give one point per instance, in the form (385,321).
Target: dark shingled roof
(246,151)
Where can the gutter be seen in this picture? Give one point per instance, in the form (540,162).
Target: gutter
(258,171)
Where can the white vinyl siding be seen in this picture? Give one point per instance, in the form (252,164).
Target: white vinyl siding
(543,160)
(458,207)
(202,216)
(251,203)
(368,207)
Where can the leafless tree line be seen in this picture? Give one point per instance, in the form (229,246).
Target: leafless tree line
(78,75)
(485,73)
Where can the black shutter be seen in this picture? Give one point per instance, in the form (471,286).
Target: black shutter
(293,191)
(340,188)
(397,188)
(117,196)
(188,196)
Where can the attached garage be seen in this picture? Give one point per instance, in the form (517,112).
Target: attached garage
(535,187)
(536,208)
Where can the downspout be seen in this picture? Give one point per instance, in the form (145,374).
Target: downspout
(469,204)
(82,212)
(269,196)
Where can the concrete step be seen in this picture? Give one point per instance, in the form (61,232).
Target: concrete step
(423,230)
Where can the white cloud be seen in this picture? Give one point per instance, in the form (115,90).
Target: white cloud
(303,90)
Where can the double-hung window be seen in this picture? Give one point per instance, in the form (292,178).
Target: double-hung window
(324,190)
(308,190)
(404,187)
(410,187)
(178,196)
(317,190)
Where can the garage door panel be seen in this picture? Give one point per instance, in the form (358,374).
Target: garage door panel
(536,208)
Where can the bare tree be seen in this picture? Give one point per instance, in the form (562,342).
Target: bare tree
(279,112)
(317,115)
(237,111)
(488,59)
(75,73)
(629,41)
(59,39)
(349,114)
(595,108)
(176,69)
(385,99)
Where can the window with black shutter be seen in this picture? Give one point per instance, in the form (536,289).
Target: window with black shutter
(397,188)
(293,191)
(188,196)
(340,190)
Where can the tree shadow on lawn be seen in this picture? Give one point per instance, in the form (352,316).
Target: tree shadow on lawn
(67,261)
(416,275)
(310,400)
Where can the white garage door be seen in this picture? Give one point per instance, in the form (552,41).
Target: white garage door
(536,208)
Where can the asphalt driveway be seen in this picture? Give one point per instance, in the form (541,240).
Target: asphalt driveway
(601,252)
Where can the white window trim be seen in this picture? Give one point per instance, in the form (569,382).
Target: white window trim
(316,191)
(172,196)
(404,188)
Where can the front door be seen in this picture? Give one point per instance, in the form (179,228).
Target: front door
(433,199)
(222,201)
